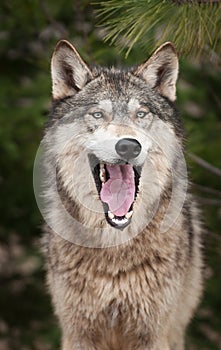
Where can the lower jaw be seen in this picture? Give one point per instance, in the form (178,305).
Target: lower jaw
(118,222)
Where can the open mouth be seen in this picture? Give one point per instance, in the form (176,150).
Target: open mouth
(118,186)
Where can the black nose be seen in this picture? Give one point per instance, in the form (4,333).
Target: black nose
(128,148)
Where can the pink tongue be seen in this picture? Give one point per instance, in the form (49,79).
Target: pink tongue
(119,191)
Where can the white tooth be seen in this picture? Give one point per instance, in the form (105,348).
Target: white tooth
(102,173)
(110,215)
(102,176)
(120,222)
(129,214)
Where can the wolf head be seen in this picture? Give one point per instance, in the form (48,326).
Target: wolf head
(113,134)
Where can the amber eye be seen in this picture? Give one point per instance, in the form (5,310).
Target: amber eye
(98,115)
(141,114)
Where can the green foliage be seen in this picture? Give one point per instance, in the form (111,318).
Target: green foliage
(191,26)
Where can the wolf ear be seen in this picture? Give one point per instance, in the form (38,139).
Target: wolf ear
(161,71)
(69,72)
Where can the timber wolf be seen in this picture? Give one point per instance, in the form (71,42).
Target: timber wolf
(114,173)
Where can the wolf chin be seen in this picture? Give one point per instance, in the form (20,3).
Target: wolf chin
(122,236)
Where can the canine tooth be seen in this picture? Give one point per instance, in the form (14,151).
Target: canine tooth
(102,176)
(102,173)
(110,215)
(129,214)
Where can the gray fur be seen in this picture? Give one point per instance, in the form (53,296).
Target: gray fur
(130,289)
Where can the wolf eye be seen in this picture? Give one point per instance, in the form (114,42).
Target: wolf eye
(98,115)
(141,114)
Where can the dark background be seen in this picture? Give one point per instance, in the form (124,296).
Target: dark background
(29,31)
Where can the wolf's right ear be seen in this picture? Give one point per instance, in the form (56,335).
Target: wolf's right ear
(69,72)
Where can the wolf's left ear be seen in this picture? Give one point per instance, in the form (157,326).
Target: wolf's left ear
(69,72)
(161,71)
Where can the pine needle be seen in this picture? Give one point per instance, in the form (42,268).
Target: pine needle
(193,26)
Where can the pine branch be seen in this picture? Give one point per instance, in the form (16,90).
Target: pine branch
(208,201)
(192,25)
(205,164)
(208,190)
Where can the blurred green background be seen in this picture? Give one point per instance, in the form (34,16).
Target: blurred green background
(29,30)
